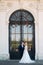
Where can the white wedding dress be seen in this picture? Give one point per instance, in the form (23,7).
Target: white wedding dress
(26,58)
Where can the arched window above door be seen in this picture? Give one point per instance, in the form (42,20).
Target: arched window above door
(21,16)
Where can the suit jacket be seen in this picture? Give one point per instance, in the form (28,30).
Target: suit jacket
(21,49)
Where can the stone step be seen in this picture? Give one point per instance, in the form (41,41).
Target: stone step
(16,62)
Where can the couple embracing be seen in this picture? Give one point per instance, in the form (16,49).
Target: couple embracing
(24,53)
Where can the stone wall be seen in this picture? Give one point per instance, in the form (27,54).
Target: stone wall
(7,7)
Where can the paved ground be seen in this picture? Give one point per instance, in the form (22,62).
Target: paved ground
(13,62)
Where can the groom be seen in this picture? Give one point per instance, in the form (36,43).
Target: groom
(21,48)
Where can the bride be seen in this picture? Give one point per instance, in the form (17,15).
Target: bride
(26,58)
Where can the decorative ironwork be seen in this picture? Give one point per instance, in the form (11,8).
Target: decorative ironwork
(21,16)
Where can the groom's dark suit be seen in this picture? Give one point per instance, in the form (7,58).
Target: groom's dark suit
(21,49)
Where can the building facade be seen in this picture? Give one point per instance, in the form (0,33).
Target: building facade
(35,8)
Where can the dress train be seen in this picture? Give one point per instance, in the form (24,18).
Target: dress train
(26,58)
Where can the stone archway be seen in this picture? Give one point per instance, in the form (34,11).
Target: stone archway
(19,19)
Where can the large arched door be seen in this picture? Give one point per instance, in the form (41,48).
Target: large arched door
(21,28)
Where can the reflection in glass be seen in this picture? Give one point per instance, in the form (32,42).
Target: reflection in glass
(17,37)
(12,29)
(24,29)
(30,28)
(30,36)
(12,37)
(18,29)
(25,37)
(26,34)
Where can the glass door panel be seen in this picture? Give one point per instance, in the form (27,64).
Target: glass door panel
(27,35)
(24,27)
(30,28)
(14,41)
(17,29)
(30,37)
(24,37)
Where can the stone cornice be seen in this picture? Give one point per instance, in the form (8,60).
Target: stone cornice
(34,4)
